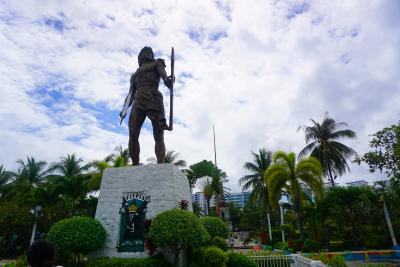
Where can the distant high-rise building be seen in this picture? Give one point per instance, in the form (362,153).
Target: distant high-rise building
(240,199)
(201,201)
(357,183)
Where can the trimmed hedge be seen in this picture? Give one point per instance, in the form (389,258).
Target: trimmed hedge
(215,226)
(213,257)
(79,235)
(220,242)
(117,262)
(178,227)
(239,260)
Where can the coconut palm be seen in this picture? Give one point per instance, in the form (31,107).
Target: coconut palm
(255,180)
(70,166)
(322,143)
(96,175)
(119,159)
(285,174)
(31,171)
(5,176)
(172,157)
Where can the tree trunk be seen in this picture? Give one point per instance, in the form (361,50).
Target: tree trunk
(208,206)
(299,218)
(331,179)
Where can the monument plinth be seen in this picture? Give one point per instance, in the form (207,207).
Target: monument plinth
(131,195)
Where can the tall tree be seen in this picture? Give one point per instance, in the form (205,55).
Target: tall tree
(5,176)
(207,189)
(172,157)
(322,142)
(200,169)
(70,166)
(255,180)
(285,174)
(31,171)
(385,155)
(120,158)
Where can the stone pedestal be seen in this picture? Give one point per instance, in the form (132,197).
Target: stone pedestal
(165,184)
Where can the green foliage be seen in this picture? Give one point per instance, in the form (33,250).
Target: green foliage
(78,235)
(220,242)
(323,143)
(215,226)
(22,261)
(281,245)
(335,261)
(213,257)
(117,262)
(239,260)
(178,229)
(255,181)
(286,175)
(15,229)
(311,246)
(385,155)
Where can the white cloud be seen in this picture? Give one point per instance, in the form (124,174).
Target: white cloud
(257,70)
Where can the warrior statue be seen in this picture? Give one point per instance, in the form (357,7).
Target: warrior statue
(147,101)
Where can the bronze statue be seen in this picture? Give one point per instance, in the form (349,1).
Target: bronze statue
(147,101)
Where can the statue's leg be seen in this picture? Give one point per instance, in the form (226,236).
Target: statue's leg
(136,120)
(158,134)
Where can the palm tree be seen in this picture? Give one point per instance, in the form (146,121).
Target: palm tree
(70,166)
(284,174)
(119,159)
(322,143)
(172,157)
(255,180)
(96,175)
(5,176)
(200,169)
(31,171)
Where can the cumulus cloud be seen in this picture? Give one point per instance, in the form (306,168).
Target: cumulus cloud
(255,69)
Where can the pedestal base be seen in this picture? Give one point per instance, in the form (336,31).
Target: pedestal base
(164,184)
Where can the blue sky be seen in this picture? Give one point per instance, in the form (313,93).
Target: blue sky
(255,69)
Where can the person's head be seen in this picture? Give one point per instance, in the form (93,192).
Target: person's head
(145,55)
(41,254)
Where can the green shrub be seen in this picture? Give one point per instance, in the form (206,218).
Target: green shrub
(281,245)
(220,242)
(77,235)
(22,261)
(213,257)
(311,246)
(215,226)
(239,260)
(336,261)
(132,262)
(178,229)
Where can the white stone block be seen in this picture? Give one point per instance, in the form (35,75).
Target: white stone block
(164,183)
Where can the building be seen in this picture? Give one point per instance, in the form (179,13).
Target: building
(358,183)
(240,199)
(328,185)
(201,201)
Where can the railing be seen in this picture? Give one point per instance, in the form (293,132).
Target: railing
(272,260)
(294,260)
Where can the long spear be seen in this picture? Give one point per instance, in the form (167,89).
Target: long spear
(171,96)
